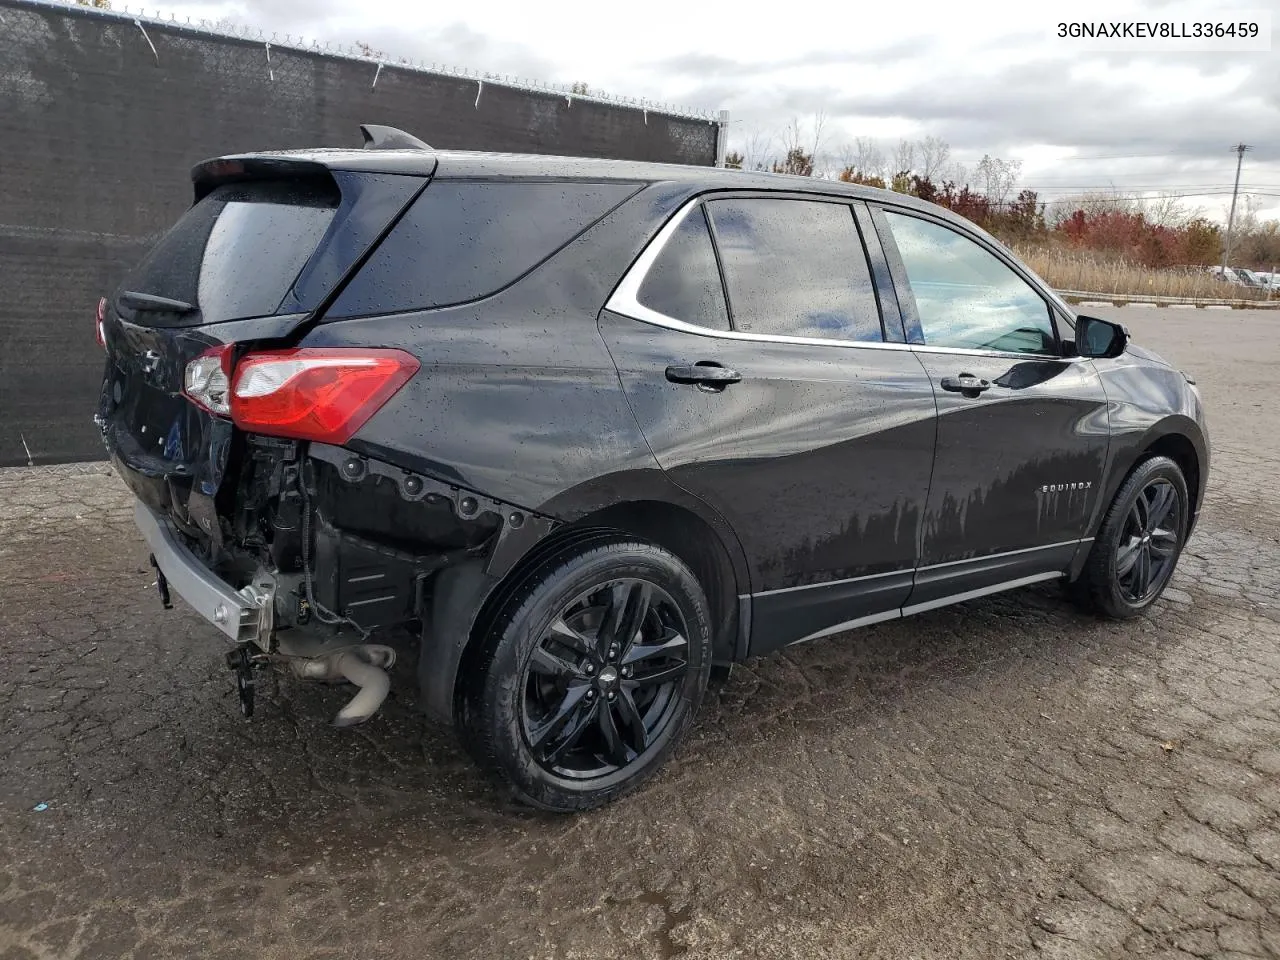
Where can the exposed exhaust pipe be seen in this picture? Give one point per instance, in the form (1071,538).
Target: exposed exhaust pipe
(366,666)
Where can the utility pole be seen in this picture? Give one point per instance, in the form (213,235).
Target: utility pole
(1239,148)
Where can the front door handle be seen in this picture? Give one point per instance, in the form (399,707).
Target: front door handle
(704,373)
(966,384)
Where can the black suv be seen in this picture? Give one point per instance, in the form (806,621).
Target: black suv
(591,429)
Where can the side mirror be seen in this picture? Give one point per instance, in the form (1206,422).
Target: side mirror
(1100,338)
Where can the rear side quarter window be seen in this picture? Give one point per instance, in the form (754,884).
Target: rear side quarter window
(684,281)
(464,240)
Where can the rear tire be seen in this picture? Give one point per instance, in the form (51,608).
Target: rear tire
(1139,543)
(592,672)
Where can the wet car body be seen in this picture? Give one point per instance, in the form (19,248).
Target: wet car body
(811,483)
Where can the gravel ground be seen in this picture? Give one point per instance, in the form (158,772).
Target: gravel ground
(1007,778)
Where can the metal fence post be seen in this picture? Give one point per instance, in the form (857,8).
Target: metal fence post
(722,138)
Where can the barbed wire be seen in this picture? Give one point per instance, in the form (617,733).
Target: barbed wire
(299,43)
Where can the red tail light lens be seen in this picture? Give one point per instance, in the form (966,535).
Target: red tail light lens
(99,325)
(315,393)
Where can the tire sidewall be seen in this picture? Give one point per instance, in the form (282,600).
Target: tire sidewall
(519,633)
(1157,468)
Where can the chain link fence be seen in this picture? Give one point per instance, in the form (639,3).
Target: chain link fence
(104,116)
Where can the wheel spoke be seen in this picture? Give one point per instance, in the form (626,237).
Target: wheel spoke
(571,637)
(672,645)
(1164,543)
(613,615)
(633,728)
(547,664)
(1142,573)
(1138,515)
(1162,504)
(1126,557)
(614,747)
(639,597)
(657,677)
(583,716)
(539,734)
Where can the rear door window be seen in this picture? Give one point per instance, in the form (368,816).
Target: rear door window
(464,240)
(236,253)
(684,281)
(795,268)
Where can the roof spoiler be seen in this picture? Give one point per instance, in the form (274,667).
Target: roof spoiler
(378,137)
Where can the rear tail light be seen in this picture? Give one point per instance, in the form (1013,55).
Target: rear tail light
(207,380)
(99,324)
(303,393)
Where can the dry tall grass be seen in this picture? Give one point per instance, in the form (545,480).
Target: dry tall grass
(1079,270)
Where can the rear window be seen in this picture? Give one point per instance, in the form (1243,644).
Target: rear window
(464,240)
(795,268)
(236,253)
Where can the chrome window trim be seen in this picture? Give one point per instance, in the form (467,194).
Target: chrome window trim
(625,301)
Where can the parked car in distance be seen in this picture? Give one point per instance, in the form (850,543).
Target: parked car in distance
(589,428)
(1238,275)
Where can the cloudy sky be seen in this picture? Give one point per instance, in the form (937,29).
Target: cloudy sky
(988,77)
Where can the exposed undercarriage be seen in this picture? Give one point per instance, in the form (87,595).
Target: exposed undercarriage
(333,558)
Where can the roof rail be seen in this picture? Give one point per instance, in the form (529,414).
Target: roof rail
(378,137)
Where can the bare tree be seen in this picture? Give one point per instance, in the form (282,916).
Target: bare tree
(904,158)
(1092,202)
(1167,210)
(757,150)
(935,158)
(866,157)
(996,178)
(799,143)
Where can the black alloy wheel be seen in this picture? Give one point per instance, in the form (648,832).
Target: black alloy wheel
(603,681)
(1148,548)
(1138,543)
(593,669)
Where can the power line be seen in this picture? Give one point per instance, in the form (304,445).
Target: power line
(1129,156)
(1133,156)
(1137,187)
(1165,196)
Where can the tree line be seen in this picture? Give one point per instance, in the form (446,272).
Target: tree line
(1154,232)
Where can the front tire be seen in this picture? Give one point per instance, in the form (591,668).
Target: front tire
(1139,543)
(592,673)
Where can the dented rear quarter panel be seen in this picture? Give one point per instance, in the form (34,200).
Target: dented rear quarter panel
(518,397)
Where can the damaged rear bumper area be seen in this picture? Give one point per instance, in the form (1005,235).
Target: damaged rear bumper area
(315,552)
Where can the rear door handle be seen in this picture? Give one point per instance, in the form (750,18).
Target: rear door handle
(704,373)
(966,383)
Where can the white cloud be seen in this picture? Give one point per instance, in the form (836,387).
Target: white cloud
(988,78)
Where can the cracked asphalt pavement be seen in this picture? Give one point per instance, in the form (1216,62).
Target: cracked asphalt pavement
(1006,778)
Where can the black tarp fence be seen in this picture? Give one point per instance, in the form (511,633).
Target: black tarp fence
(102,116)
